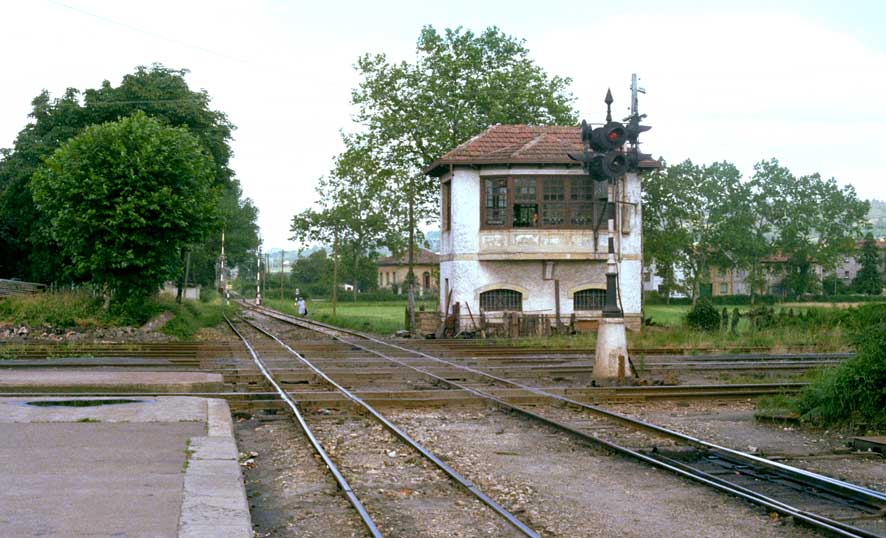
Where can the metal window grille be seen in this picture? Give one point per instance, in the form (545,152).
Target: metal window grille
(500,300)
(589,300)
(496,201)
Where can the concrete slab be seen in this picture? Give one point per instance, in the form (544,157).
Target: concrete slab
(169,409)
(74,380)
(143,469)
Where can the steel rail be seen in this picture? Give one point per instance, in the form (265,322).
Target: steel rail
(318,448)
(866,495)
(467,484)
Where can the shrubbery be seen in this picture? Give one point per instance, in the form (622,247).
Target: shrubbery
(853,393)
(703,316)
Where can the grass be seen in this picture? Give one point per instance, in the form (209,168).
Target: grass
(66,309)
(80,310)
(191,316)
(384,317)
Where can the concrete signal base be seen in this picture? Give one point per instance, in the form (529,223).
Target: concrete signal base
(611,362)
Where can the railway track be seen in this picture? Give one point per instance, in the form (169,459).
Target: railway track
(831,505)
(467,486)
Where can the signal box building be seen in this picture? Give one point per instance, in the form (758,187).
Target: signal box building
(524,229)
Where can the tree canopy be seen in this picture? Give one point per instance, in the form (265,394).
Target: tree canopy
(123,197)
(695,217)
(26,249)
(459,84)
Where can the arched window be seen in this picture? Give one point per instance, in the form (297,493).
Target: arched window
(497,300)
(589,300)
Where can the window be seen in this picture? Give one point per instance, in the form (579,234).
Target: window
(426,280)
(724,288)
(501,300)
(447,205)
(721,272)
(525,202)
(647,276)
(553,209)
(589,300)
(496,201)
(546,202)
(587,201)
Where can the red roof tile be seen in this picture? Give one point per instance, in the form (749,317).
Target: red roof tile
(514,144)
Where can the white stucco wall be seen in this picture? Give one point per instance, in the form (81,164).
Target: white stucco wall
(471,260)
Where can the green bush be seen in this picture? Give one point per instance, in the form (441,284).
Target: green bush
(703,316)
(853,393)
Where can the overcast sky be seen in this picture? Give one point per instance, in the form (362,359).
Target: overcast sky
(740,81)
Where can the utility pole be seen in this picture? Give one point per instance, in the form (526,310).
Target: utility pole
(258,277)
(282,271)
(222,286)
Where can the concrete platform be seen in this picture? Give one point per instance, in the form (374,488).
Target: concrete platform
(74,380)
(152,468)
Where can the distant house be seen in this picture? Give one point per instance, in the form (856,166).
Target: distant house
(392,271)
(848,270)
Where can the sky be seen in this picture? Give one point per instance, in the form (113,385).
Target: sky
(740,81)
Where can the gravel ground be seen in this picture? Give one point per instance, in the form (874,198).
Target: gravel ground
(732,424)
(290,492)
(563,488)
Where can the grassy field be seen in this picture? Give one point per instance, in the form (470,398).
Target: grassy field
(385,317)
(388,317)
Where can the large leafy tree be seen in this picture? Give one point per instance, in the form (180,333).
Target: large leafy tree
(691,215)
(809,221)
(122,198)
(157,91)
(868,279)
(459,84)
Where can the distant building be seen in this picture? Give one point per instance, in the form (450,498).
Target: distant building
(849,268)
(392,272)
(524,229)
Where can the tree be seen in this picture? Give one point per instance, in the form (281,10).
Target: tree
(459,85)
(312,274)
(122,198)
(352,214)
(809,220)
(868,279)
(159,92)
(691,214)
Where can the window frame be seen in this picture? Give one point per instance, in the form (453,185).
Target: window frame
(567,204)
(601,296)
(517,294)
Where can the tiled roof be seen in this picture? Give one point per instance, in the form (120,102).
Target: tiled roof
(422,257)
(514,144)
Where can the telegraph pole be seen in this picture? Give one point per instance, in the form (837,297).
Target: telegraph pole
(258,278)
(222,286)
(282,271)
